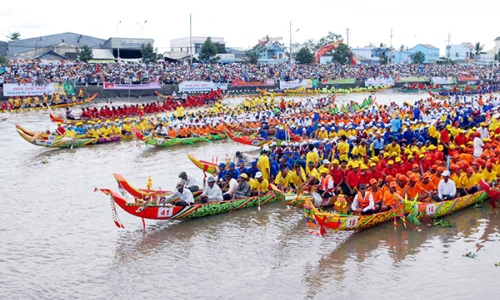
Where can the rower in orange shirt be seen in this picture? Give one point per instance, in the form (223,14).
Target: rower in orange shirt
(378,194)
(172,133)
(391,198)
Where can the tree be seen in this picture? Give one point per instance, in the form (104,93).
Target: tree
(208,51)
(149,54)
(3,61)
(221,48)
(328,39)
(497,55)
(384,60)
(85,54)
(342,54)
(479,49)
(304,56)
(401,48)
(418,58)
(13,36)
(255,53)
(382,45)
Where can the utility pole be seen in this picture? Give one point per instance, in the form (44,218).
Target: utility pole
(118,36)
(291,43)
(348,37)
(448,52)
(390,49)
(190,39)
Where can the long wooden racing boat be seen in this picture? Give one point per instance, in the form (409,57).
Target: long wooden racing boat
(245,140)
(316,218)
(444,208)
(62,105)
(197,210)
(205,166)
(45,140)
(158,141)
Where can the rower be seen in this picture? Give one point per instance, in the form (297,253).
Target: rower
(446,188)
(212,192)
(189,182)
(363,202)
(161,130)
(326,185)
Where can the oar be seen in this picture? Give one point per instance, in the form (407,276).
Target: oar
(258,192)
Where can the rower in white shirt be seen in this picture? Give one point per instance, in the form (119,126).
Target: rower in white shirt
(212,192)
(447,189)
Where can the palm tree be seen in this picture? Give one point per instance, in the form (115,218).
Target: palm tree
(479,50)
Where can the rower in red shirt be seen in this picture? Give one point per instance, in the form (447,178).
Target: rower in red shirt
(374,173)
(352,179)
(390,170)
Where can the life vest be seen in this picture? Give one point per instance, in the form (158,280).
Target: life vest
(364,202)
(325,182)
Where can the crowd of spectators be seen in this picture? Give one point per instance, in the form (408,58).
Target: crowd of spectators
(173,73)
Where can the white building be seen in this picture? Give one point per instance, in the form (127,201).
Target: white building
(180,47)
(490,54)
(461,53)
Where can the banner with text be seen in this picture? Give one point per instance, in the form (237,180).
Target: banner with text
(14,89)
(201,86)
(145,86)
(267,82)
(338,81)
(467,78)
(379,81)
(443,80)
(412,79)
(295,84)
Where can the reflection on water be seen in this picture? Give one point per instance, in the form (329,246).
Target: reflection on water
(58,241)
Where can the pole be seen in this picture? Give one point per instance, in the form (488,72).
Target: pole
(190,39)
(390,50)
(291,43)
(117,35)
(348,37)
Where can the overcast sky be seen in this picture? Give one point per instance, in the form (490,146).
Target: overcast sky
(242,23)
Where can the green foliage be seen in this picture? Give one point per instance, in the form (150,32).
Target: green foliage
(479,49)
(85,54)
(13,36)
(328,39)
(418,58)
(255,53)
(221,48)
(208,51)
(149,55)
(342,54)
(3,61)
(304,56)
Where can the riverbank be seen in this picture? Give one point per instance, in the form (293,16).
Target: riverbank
(168,89)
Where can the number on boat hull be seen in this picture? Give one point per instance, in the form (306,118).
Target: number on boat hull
(430,209)
(352,222)
(165,212)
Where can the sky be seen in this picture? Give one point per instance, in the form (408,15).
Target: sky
(243,23)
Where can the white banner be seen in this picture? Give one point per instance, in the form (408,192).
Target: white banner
(201,86)
(443,80)
(14,89)
(379,81)
(294,84)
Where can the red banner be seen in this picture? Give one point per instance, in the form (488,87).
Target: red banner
(467,78)
(267,82)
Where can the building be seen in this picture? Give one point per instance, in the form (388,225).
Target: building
(180,47)
(402,57)
(460,53)
(274,51)
(365,52)
(492,53)
(430,52)
(102,56)
(126,48)
(3,48)
(65,44)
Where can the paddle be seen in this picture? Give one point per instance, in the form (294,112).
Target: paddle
(258,193)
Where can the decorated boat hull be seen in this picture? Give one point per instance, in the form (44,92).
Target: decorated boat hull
(169,142)
(62,105)
(205,166)
(444,208)
(197,210)
(337,222)
(245,140)
(52,141)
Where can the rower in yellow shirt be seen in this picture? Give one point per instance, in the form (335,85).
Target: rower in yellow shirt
(258,184)
(489,174)
(468,182)
(343,149)
(393,147)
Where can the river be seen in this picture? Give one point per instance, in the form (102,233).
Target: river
(58,240)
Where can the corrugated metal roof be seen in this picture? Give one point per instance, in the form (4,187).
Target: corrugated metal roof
(26,45)
(428,46)
(102,54)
